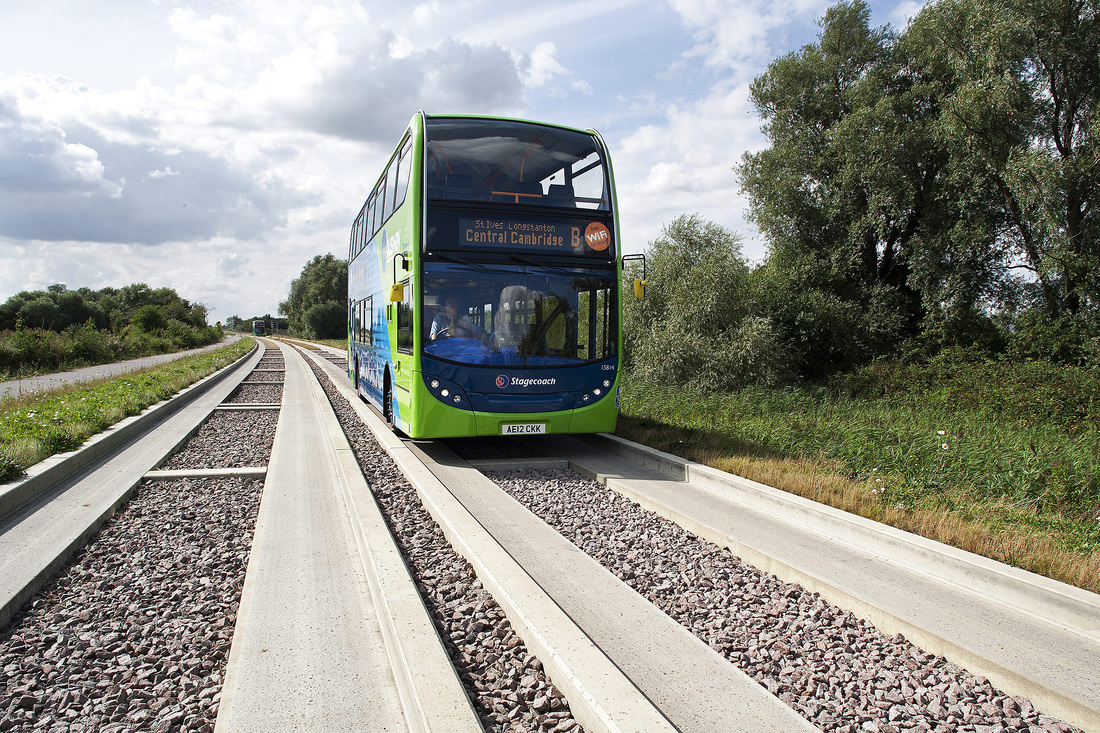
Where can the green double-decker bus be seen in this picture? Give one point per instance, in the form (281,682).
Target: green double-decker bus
(484,281)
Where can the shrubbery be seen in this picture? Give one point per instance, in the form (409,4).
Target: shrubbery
(317,305)
(41,332)
(710,321)
(694,326)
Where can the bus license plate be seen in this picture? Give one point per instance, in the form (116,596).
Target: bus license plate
(524,429)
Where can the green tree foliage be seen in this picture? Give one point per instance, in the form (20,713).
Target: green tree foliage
(327,320)
(320,291)
(694,327)
(61,328)
(1020,118)
(149,318)
(910,177)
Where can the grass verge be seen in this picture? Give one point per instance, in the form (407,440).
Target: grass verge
(35,427)
(1007,483)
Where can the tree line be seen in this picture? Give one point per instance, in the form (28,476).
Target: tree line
(61,328)
(922,190)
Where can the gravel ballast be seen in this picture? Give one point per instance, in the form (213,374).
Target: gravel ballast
(505,682)
(257,393)
(134,634)
(832,667)
(253,433)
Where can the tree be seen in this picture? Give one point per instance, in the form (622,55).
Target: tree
(39,313)
(323,281)
(150,318)
(864,206)
(328,320)
(693,326)
(841,191)
(1021,120)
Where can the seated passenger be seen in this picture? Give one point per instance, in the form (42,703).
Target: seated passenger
(450,324)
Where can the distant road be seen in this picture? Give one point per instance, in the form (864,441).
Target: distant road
(46,382)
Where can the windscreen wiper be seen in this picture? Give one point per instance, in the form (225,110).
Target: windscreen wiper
(544,265)
(459,260)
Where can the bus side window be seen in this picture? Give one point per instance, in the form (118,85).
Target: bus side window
(404,170)
(405,321)
(368,332)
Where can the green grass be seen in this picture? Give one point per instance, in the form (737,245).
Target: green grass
(1002,448)
(35,427)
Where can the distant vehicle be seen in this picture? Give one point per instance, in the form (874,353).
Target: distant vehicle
(258,328)
(483,281)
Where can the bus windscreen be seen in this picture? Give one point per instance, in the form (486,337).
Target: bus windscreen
(512,315)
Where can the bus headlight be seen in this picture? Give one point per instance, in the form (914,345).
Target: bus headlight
(446,392)
(595,391)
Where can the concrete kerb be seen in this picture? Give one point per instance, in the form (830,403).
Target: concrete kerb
(1038,596)
(809,514)
(601,698)
(43,476)
(432,695)
(68,465)
(253,472)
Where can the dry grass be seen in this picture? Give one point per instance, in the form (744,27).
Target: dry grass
(967,527)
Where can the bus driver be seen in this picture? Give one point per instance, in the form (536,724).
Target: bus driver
(449,324)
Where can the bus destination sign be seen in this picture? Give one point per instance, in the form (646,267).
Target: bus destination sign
(518,234)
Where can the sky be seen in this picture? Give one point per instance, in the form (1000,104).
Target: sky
(217,146)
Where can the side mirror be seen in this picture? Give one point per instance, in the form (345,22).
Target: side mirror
(639,282)
(397,292)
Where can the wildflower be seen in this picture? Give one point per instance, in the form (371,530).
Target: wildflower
(944,446)
(941,432)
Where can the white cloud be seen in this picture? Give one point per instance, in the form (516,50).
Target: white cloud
(237,140)
(740,35)
(165,172)
(543,66)
(684,164)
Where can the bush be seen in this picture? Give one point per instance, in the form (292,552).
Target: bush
(1064,339)
(692,327)
(326,320)
(150,318)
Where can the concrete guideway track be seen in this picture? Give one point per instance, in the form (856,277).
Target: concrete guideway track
(51,513)
(331,633)
(1029,635)
(622,664)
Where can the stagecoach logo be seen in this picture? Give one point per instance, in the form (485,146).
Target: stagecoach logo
(503,381)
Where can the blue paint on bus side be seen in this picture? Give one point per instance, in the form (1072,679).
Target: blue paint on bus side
(374,358)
